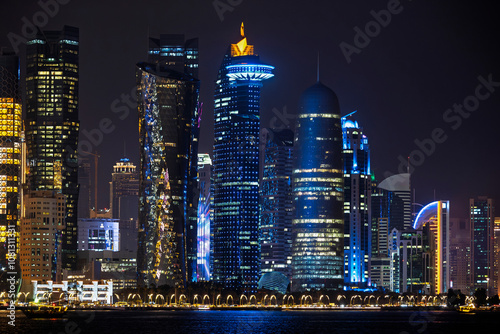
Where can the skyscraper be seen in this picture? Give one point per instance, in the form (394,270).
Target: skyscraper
(52,123)
(397,190)
(482,220)
(277,202)
(236,255)
(357,203)
(41,235)
(204,217)
(10,150)
(318,224)
(168,130)
(124,190)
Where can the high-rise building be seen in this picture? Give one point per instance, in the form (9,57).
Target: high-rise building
(460,264)
(482,219)
(204,217)
(277,202)
(10,151)
(496,274)
(397,190)
(168,128)
(52,123)
(357,203)
(318,188)
(236,252)
(124,191)
(42,229)
(434,221)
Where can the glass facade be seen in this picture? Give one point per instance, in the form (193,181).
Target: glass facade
(318,224)
(236,251)
(168,130)
(357,204)
(277,202)
(482,219)
(10,150)
(52,124)
(204,217)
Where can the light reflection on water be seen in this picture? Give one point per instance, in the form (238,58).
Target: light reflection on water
(274,322)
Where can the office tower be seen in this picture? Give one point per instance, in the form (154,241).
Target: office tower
(496,273)
(460,266)
(434,220)
(277,202)
(52,123)
(168,131)
(42,229)
(236,255)
(380,262)
(318,224)
(357,203)
(482,218)
(411,269)
(204,217)
(236,260)
(397,190)
(10,152)
(84,192)
(124,191)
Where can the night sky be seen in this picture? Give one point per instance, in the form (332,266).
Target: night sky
(425,60)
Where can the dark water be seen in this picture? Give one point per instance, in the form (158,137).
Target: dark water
(121,322)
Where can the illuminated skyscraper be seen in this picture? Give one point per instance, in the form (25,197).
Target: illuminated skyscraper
(10,150)
(204,217)
(168,129)
(318,224)
(482,220)
(236,255)
(277,203)
(124,191)
(357,203)
(434,220)
(52,123)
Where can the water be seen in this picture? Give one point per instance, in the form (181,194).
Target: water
(275,322)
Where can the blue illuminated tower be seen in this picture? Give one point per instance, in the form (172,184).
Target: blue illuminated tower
(357,202)
(318,225)
(236,253)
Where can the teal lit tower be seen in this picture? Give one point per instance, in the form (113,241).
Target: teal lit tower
(318,224)
(357,202)
(236,253)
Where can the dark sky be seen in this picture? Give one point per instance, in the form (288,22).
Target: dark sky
(425,60)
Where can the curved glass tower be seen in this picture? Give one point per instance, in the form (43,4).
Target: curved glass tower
(236,253)
(318,226)
(168,130)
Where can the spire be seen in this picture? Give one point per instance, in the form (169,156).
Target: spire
(242,30)
(317,74)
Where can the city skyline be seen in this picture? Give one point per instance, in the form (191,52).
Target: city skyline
(401,103)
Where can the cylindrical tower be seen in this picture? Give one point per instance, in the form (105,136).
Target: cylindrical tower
(318,225)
